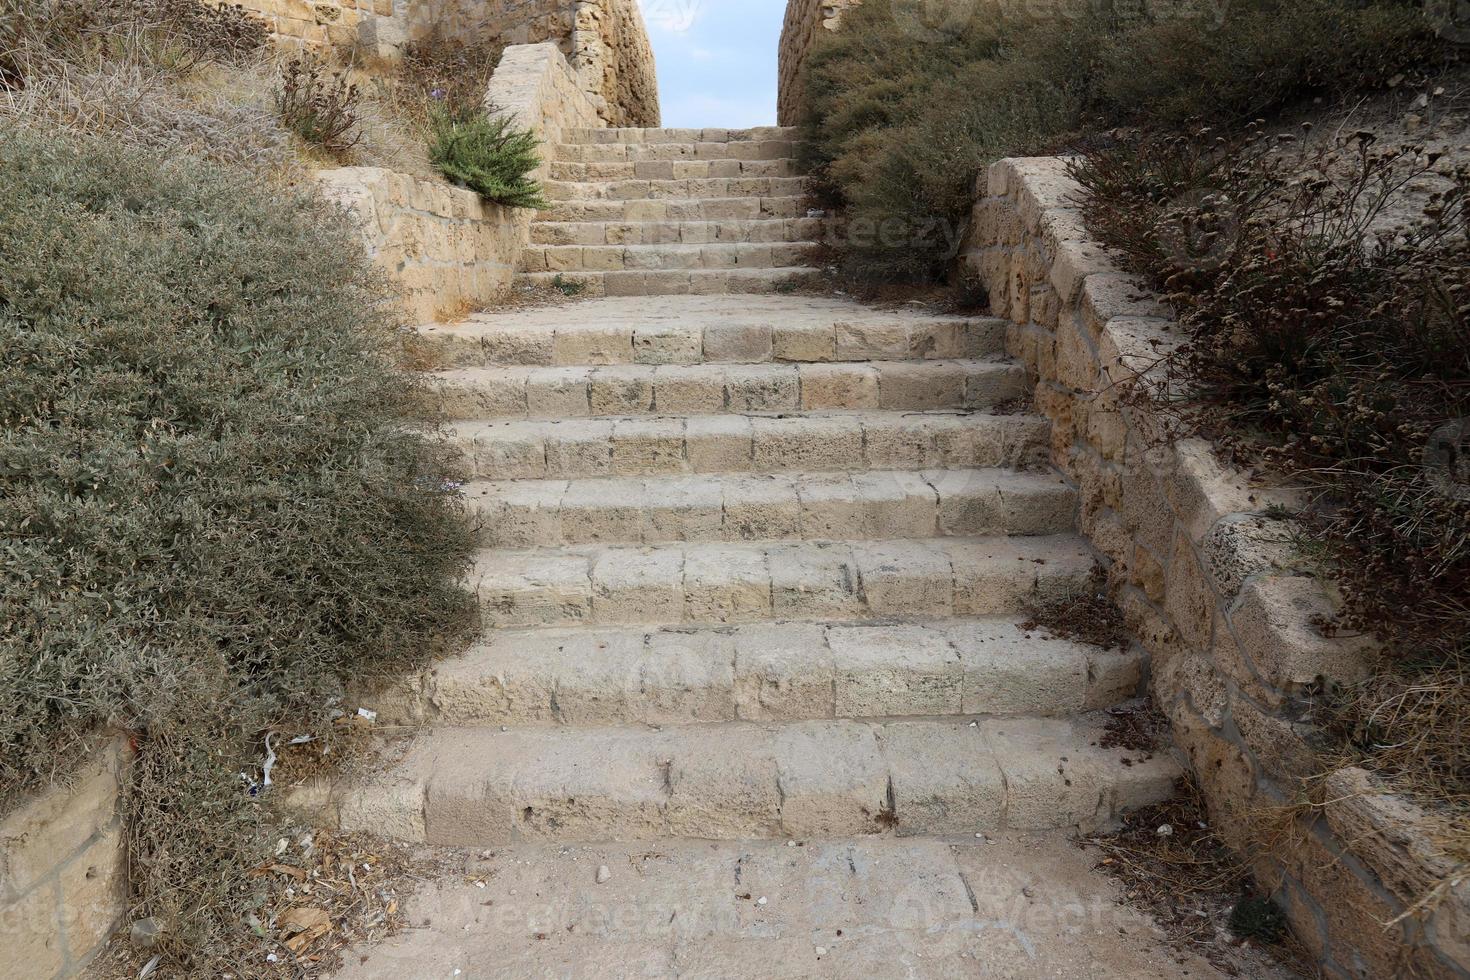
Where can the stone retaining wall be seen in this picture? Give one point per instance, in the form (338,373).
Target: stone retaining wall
(63,872)
(1211,586)
(605,41)
(444,247)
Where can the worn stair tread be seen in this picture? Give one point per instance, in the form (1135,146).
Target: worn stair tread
(672,282)
(589,391)
(701,583)
(664,134)
(689,189)
(742,207)
(1014,905)
(675,232)
(704,329)
(710,256)
(778,671)
(751,780)
(800,506)
(683,166)
(813,442)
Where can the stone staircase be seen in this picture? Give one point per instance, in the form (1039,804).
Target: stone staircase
(753,571)
(672,211)
(753,568)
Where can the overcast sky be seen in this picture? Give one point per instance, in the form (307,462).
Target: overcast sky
(716,60)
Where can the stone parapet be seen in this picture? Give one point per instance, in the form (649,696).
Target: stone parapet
(1212,587)
(444,248)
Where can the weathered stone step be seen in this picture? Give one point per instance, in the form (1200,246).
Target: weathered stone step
(481,787)
(919,908)
(739,443)
(815,507)
(741,150)
(708,583)
(675,232)
(703,329)
(674,282)
(648,258)
(692,189)
(788,671)
(677,209)
(667,135)
(670,169)
(717,389)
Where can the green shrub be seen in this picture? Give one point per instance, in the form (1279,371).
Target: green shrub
(489,155)
(217,499)
(901,120)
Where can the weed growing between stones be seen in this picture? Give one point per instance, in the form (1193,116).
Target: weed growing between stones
(219,497)
(901,121)
(1325,298)
(318,105)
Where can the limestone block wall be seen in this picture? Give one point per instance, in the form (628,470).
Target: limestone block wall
(534,83)
(605,41)
(444,247)
(804,18)
(1212,588)
(63,872)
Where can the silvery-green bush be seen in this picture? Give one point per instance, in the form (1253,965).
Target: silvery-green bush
(219,495)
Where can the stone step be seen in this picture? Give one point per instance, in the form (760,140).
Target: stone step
(718,389)
(751,151)
(675,232)
(699,189)
(481,787)
(629,135)
(1016,905)
(704,329)
(671,169)
(762,672)
(650,258)
(814,507)
(676,209)
(745,582)
(740,443)
(673,282)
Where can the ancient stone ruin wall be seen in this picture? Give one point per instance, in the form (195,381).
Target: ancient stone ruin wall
(1211,586)
(63,872)
(604,40)
(804,18)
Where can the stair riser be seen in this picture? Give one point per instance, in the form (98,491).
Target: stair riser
(649,258)
(634,135)
(739,444)
(709,188)
(582,392)
(676,169)
(675,232)
(734,342)
(650,512)
(745,781)
(675,282)
(706,584)
(801,673)
(674,209)
(745,151)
